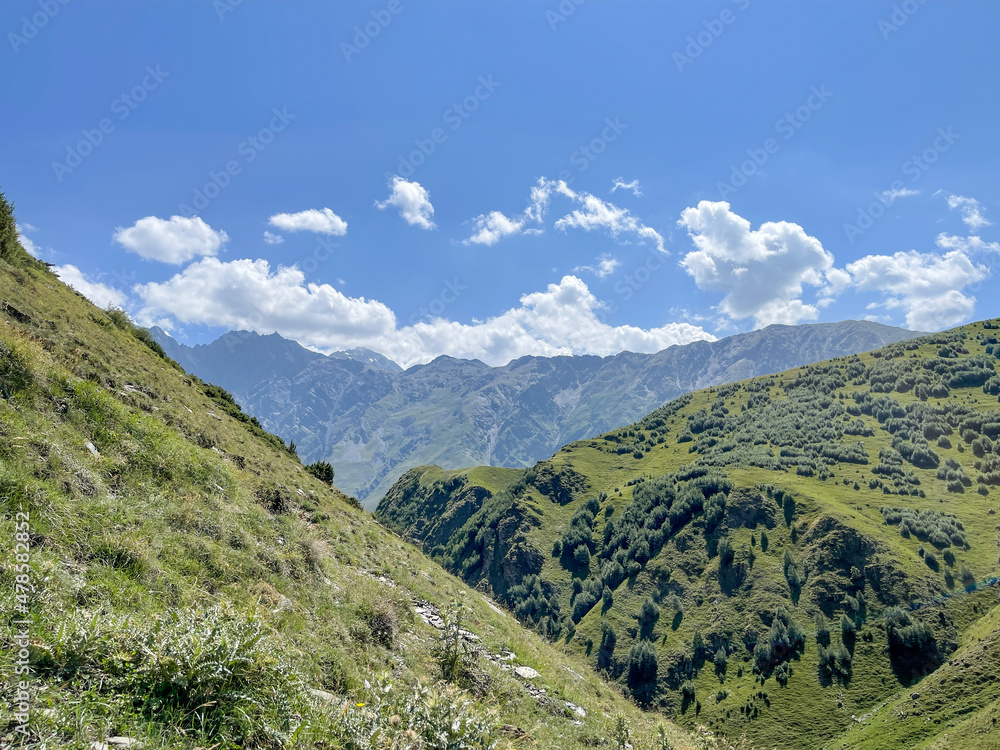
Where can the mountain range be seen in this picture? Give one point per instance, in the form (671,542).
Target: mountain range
(373,421)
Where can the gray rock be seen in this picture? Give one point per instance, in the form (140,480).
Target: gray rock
(116,742)
(526,673)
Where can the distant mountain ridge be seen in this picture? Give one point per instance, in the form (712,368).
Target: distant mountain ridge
(374,421)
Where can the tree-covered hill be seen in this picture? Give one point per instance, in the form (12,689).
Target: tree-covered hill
(781,556)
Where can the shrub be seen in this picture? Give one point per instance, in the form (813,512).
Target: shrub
(381,620)
(454,656)
(322,470)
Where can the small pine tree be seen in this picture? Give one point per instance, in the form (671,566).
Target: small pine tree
(323,471)
(609,639)
(10,247)
(697,644)
(763,541)
(822,629)
(642,670)
(648,616)
(721,660)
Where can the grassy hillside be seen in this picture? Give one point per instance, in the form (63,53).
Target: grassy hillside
(775,557)
(189,584)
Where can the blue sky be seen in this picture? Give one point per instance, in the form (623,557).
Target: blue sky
(440,178)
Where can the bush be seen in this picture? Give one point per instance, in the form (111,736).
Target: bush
(454,656)
(322,470)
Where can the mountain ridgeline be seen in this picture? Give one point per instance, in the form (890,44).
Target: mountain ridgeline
(809,557)
(373,421)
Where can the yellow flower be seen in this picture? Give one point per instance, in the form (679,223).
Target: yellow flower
(360,705)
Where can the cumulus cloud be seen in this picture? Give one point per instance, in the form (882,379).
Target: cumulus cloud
(490,228)
(100,294)
(761,272)
(273,239)
(620,184)
(972,244)
(892,195)
(972,211)
(593,214)
(606,265)
(926,286)
(599,214)
(175,240)
(565,318)
(322,221)
(412,200)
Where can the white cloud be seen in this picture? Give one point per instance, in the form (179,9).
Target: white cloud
(322,221)
(412,200)
(599,214)
(566,318)
(606,265)
(175,240)
(761,272)
(273,239)
(927,286)
(891,196)
(972,211)
(30,247)
(972,244)
(620,184)
(489,229)
(100,294)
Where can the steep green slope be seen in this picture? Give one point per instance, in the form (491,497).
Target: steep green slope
(747,556)
(190,585)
